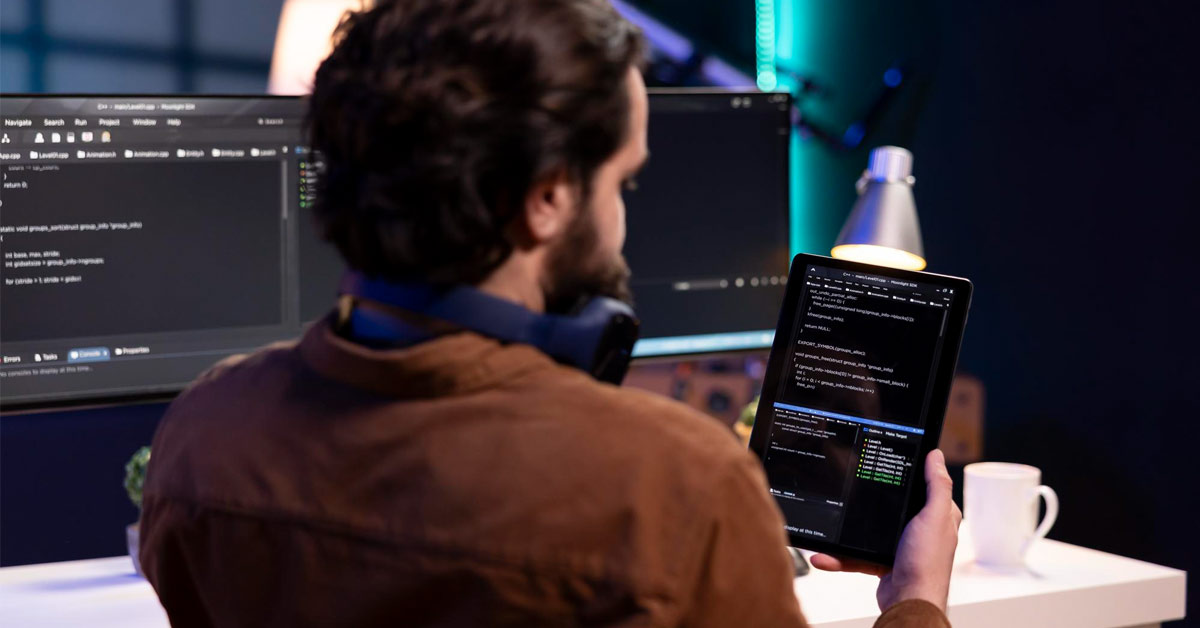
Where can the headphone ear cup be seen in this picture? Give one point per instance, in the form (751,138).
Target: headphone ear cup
(599,339)
(615,351)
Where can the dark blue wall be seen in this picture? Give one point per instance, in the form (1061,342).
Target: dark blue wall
(1055,164)
(61,479)
(128,46)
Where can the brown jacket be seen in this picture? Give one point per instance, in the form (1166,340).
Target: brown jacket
(459,482)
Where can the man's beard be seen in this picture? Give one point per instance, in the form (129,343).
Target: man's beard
(576,270)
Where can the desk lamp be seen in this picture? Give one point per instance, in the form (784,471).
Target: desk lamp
(882,228)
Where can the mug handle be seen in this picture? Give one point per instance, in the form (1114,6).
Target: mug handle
(1043,528)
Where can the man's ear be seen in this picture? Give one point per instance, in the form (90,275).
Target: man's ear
(549,207)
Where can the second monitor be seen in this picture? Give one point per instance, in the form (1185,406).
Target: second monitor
(147,237)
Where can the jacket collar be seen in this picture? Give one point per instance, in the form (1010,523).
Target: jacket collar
(446,365)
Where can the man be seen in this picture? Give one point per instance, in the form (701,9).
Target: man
(456,480)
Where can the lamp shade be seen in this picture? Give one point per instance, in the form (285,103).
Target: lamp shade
(882,228)
(303,41)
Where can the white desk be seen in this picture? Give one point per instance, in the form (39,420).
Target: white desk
(1066,586)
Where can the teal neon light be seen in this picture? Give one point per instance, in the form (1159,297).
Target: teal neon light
(764,44)
(781,41)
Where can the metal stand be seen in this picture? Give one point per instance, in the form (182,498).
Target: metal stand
(799,562)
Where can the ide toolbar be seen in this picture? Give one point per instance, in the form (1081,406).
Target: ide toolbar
(877,286)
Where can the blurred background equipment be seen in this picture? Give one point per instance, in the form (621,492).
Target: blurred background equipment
(962,430)
(674,59)
(303,40)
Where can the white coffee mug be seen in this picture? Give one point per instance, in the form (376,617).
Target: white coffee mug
(1000,507)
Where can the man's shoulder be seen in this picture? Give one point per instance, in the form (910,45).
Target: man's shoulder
(234,383)
(240,367)
(624,412)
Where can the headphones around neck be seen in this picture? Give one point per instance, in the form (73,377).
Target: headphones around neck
(598,338)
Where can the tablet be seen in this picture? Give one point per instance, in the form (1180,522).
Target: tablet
(853,400)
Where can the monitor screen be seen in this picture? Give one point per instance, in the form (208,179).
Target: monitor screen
(144,238)
(707,236)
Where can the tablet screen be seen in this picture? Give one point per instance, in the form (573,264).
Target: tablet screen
(854,399)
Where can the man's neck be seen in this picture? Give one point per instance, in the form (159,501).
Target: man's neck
(518,280)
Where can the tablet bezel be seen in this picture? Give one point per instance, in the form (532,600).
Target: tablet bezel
(947,363)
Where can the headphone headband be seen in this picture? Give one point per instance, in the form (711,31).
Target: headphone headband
(598,339)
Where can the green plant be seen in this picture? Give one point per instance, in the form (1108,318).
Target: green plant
(135,475)
(747,416)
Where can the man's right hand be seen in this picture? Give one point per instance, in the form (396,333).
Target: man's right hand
(926,552)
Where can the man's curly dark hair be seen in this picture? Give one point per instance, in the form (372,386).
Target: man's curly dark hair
(435,117)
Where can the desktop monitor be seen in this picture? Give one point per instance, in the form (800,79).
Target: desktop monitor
(707,224)
(146,237)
